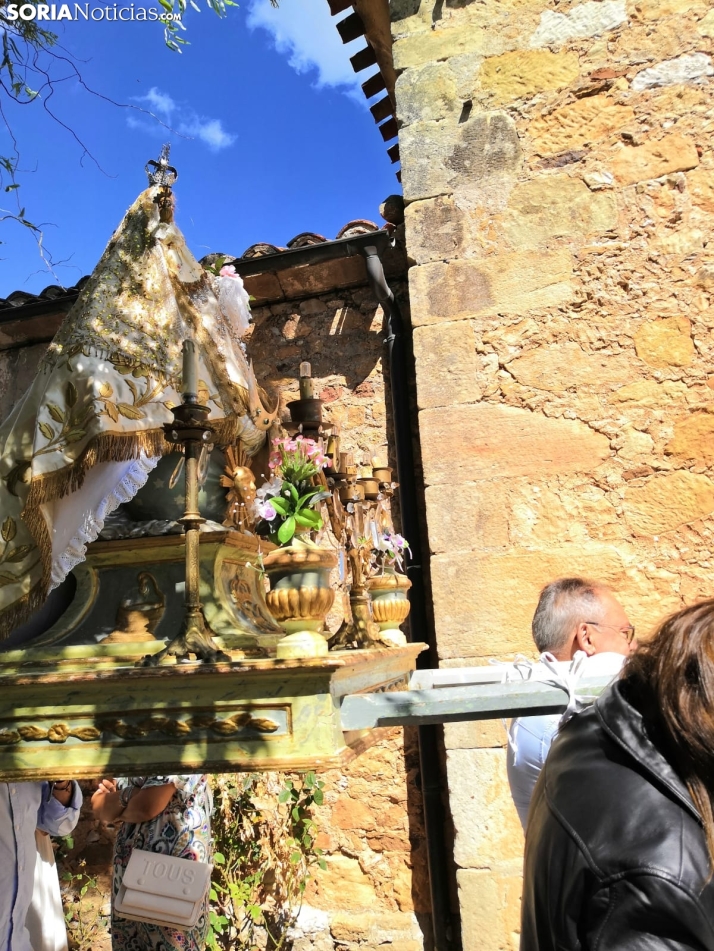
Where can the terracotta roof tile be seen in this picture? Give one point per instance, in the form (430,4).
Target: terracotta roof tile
(51,292)
(304,239)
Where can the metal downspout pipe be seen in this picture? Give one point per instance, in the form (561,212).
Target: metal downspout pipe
(430,767)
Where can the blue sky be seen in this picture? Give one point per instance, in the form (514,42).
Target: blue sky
(271,136)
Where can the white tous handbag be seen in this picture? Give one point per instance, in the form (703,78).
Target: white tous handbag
(163,890)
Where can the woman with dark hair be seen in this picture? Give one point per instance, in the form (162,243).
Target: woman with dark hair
(620,844)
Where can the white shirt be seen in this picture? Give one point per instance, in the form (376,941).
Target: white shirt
(25,807)
(529,738)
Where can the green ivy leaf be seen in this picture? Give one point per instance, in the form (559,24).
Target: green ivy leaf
(219,858)
(319,797)
(295,857)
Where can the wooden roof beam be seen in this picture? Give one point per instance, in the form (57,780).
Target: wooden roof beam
(375,84)
(363,58)
(351,28)
(382,109)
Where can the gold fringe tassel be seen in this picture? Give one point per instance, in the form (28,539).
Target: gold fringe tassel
(19,611)
(104,447)
(227,431)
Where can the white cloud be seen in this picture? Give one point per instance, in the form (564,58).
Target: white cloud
(209,131)
(304,32)
(160,102)
(181,119)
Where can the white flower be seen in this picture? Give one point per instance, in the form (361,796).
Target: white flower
(270,488)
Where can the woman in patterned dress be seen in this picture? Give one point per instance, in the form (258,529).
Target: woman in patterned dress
(166,814)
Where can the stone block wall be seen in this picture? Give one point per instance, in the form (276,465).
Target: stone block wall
(375,892)
(558,170)
(340,333)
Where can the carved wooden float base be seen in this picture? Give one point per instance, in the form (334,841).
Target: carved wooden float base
(64,721)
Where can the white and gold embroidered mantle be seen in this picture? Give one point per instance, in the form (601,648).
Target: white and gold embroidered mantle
(87,433)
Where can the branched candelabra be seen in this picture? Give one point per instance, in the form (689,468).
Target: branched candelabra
(358,510)
(191,430)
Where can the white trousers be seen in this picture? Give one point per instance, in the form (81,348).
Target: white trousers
(45,916)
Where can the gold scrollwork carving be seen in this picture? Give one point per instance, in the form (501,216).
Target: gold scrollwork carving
(245,598)
(143,727)
(244,721)
(394,687)
(57,733)
(223,727)
(263,724)
(61,732)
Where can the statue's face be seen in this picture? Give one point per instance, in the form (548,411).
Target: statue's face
(243,479)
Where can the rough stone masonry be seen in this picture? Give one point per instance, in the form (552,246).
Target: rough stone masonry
(558,170)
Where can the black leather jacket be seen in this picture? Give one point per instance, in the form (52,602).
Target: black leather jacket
(615,852)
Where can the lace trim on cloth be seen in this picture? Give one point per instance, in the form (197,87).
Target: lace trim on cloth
(124,491)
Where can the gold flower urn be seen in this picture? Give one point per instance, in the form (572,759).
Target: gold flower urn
(300,597)
(390,605)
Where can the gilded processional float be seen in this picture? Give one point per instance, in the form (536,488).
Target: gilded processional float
(169,552)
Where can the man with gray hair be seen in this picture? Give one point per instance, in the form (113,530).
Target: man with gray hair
(573,614)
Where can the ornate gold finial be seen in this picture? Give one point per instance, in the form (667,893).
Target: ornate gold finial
(164,175)
(161,173)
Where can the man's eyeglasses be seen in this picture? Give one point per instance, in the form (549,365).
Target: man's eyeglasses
(627,632)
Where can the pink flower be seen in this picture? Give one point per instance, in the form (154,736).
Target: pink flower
(266,511)
(228,270)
